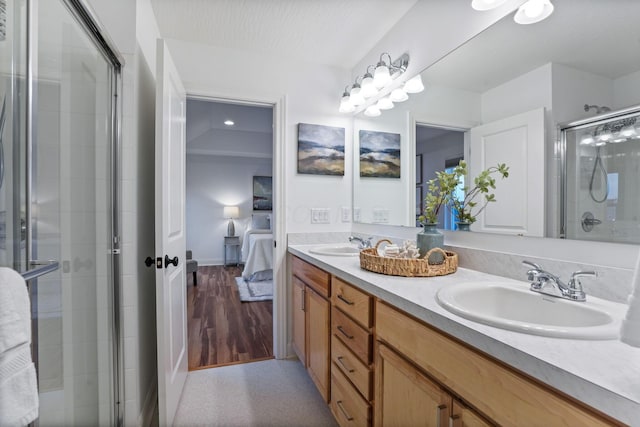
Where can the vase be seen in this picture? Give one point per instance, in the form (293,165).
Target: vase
(463,226)
(428,239)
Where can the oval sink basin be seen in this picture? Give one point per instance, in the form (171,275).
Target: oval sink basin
(514,307)
(343,250)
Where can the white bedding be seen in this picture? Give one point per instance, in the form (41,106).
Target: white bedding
(257,255)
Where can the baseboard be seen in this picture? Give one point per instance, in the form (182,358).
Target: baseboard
(149,407)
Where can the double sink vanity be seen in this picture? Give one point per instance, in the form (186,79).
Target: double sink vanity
(468,348)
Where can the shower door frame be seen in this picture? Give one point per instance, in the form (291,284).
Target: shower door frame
(84,15)
(562,150)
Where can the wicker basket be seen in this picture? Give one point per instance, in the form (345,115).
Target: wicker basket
(408,267)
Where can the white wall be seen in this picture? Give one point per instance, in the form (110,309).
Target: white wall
(212,183)
(312,93)
(626,91)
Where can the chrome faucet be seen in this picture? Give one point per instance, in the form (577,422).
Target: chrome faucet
(362,243)
(549,284)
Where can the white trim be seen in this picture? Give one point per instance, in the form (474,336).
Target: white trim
(149,406)
(280,296)
(202,152)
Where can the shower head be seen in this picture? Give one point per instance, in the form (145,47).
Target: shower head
(599,109)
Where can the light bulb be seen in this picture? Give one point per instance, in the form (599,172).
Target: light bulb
(414,85)
(587,139)
(533,11)
(486,4)
(398,95)
(628,131)
(381,76)
(384,103)
(367,86)
(346,106)
(605,137)
(356,95)
(372,111)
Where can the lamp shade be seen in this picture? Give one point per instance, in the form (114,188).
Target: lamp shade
(414,84)
(231,212)
(398,95)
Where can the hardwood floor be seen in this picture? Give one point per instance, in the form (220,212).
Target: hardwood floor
(222,329)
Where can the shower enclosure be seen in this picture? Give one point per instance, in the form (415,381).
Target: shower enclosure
(601,189)
(58,201)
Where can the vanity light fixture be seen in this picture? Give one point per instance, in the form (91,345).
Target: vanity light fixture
(372,111)
(533,11)
(369,89)
(486,4)
(414,84)
(384,103)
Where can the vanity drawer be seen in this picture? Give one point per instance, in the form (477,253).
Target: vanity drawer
(504,395)
(312,276)
(352,367)
(352,301)
(354,336)
(348,407)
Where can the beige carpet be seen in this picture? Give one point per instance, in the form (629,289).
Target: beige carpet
(268,393)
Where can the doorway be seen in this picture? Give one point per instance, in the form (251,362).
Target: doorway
(229,220)
(437,149)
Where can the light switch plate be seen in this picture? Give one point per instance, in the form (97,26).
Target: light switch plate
(320,215)
(356,214)
(346,214)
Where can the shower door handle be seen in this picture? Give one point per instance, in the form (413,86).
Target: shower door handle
(45,268)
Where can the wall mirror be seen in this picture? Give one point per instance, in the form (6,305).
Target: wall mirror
(585,56)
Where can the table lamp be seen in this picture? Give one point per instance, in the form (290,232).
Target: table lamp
(231,212)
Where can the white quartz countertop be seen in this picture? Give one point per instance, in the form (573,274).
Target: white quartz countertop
(603,374)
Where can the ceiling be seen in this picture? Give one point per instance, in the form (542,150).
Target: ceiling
(329,32)
(600,37)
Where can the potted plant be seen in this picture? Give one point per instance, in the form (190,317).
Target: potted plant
(439,191)
(468,208)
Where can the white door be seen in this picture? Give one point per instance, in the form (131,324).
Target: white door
(517,141)
(170,235)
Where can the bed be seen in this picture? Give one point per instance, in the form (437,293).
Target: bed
(257,249)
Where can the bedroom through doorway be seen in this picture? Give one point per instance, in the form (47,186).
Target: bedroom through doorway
(229,218)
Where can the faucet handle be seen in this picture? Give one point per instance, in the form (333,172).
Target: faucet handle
(574,281)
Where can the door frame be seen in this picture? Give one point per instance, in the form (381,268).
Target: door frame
(280,294)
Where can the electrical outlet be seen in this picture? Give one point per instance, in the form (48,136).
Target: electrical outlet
(320,215)
(356,214)
(346,214)
(381,216)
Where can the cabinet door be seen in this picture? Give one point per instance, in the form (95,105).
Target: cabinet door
(298,319)
(406,397)
(463,416)
(318,350)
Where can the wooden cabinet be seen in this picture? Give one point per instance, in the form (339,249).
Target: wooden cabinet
(351,354)
(311,321)
(299,323)
(406,397)
(501,394)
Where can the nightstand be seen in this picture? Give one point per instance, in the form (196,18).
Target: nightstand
(232,243)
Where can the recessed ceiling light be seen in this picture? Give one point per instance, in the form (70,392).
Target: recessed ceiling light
(229,122)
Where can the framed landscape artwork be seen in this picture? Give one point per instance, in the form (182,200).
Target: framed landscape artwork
(379,154)
(320,150)
(262,193)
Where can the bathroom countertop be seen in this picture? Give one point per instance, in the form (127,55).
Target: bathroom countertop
(603,374)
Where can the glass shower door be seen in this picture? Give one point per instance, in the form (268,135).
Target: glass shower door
(602,176)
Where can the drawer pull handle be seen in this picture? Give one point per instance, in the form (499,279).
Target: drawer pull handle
(302,295)
(344,412)
(439,418)
(341,329)
(341,360)
(346,301)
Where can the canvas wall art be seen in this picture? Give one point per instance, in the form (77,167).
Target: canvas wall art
(379,154)
(262,193)
(320,150)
